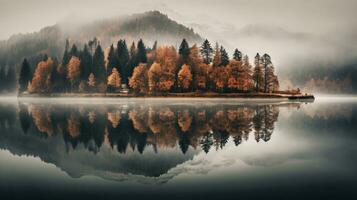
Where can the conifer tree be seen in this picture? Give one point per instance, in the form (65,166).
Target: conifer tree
(224,57)
(141,52)
(98,65)
(112,60)
(217,56)
(25,76)
(184,50)
(237,55)
(123,60)
(86,65)
(206,52)
(66,56)
(74,51)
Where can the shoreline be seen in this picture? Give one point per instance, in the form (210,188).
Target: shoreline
(177,95)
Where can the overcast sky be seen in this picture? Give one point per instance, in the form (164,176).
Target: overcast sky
(284,28)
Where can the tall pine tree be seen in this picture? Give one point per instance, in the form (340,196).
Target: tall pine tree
(98,65)
(141,52)
(112,60)
(184,50)
(86,65)
(25,76)
(237,55)
(224,57)
(123,60)
(206,52)
(66,55)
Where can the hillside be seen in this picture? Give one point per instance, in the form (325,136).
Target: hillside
(150,26)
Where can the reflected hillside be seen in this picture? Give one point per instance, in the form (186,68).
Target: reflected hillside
(141,140)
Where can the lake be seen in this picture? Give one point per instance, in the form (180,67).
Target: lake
(178,148)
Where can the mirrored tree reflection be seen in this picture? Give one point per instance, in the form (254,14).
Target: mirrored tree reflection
(138,126)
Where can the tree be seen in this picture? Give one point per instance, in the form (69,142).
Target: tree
(98,65)
(86,66)
(206,52)
(74,51)
(74,72)
(266,63)
(91,82)
(114,80)
(258,75)
(184,78)
(219,78)
(139,80)
(132,61)
(66,55)
(184,51)
(217,56)
(161,79)
(123,59)
(112,60)
(201,77)
(237,55)
(11,79)
(141,52)
(224,57)
(25,76)
(41,81)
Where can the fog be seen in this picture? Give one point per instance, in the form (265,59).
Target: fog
(296,33)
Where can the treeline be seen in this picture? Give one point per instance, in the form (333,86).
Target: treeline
(155,70)
(7,79)
(160,127)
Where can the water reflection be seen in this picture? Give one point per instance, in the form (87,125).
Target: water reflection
(136,127)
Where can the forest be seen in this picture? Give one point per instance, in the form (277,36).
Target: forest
(142,70)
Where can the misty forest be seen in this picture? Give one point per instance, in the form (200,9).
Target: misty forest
(157,70)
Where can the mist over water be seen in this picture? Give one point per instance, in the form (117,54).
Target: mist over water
(178,148)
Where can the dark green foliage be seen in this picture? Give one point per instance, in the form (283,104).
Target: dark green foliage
(11,79)
(86,65)
(123,60)
(74,51)
(141,52)
(66,55)
(224,57)
(98,65)
(206,52)
(237,55)
(25,76)
(184,50)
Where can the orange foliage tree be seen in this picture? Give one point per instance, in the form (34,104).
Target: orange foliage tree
(41,81)
(184,78)
(139,80)
(73,71)
(114,80)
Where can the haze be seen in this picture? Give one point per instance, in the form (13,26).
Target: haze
(295,32)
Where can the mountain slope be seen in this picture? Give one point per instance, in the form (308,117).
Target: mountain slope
(150,26)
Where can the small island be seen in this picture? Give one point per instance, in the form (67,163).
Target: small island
(157,71)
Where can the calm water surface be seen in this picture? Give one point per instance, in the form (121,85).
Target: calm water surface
(178,149)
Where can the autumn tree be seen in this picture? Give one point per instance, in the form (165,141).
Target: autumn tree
(219,78)
(206,52)
(139,80)
(91,83)
(25,76)
(161,79)
(73,72)
(185,78)
(114,80)
(201,78)
(41,81)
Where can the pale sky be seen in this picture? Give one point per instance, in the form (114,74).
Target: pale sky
(309,30)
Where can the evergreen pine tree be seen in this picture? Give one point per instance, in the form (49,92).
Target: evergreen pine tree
(224,57)
(11,79)
(123,60)
(184,50)
(237,55)
(154,47)
(86,65)
(74,51)
(112,60)
(141,52)
(25,75)
(206,52)
(98,65)
(66,55)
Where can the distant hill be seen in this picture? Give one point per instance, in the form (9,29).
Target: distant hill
(150,26)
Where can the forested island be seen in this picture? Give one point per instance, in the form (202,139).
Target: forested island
(160,70)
